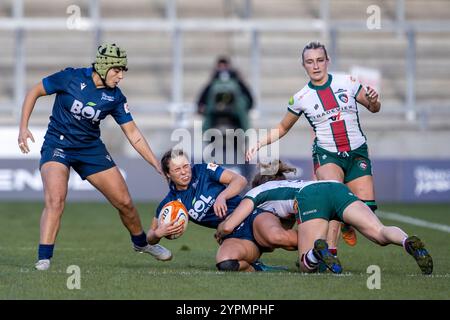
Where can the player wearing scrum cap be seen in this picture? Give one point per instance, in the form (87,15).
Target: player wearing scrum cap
(84,97)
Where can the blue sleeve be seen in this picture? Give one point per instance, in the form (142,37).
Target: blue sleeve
(58,82)
(121,112)
(214,171)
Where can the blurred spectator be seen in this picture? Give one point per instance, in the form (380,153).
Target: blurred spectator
(226,100)
(225,103)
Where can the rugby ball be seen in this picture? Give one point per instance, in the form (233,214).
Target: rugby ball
(174,211)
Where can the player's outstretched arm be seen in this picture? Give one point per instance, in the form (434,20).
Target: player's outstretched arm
(275,134)
(140,144)
(27,108)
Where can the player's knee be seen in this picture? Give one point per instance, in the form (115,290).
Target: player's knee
(378,237)
(125,205)
(381,242)
(54,204)
(228,265)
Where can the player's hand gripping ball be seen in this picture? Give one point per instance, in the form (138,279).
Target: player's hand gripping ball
(174,211)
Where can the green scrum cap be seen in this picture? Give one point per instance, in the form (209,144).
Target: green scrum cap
(109,56)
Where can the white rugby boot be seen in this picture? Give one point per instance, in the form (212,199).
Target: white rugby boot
(42,265)
(157,251)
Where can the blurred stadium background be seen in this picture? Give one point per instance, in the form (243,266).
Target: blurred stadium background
(172,46)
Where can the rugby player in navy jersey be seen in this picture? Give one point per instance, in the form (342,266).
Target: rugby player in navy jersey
(210,193)
(84,97)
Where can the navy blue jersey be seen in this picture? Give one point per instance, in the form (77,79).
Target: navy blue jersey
(201,195)
(79,107)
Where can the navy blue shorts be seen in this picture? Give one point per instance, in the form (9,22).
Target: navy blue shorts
(85,161)
(245,229)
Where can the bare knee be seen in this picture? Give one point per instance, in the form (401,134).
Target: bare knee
(376,235)
(54,204)
(125,205)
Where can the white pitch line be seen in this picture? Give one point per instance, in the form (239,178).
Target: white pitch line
(413,221)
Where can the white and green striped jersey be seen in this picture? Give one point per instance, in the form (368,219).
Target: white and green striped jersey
(278,196)
(332,111)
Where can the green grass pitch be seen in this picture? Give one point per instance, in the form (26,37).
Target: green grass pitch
(93,238)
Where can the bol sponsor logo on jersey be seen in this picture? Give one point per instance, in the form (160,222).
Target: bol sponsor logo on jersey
(200,207)
(87,111)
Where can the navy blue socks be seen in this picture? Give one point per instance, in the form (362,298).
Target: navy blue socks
(45,251)
(140,240)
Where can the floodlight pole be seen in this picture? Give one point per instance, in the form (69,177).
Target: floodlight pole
(411,75)
(20,65)
(94,12)
(256,67)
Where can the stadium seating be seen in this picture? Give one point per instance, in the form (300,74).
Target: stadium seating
(148,84)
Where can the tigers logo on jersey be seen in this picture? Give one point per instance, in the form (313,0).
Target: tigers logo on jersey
(343,97)
(363,165)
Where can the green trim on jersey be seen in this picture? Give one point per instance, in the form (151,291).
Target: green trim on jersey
(327,84)
(357,91)
(357,111)
(359,122)
(275,194)
(311,123)
(292,111)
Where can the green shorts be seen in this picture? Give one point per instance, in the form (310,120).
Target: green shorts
(355,163)
(323,200)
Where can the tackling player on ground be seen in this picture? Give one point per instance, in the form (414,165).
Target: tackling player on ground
(316,204)
(84,97)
